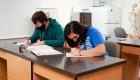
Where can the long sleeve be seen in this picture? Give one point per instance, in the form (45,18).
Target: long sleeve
(34,36)
(59,34)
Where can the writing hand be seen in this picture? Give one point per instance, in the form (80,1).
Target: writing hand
(27,42)
(75,51)
(40,43)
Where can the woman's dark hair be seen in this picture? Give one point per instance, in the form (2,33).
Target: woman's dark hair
(75,27)
(39,16)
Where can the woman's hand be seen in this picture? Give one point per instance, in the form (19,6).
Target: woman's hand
(66,46)
(75,51)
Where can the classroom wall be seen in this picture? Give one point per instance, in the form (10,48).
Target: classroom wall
(106,20)
(15,15)
(66,7)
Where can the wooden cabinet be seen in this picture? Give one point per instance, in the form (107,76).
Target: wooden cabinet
(46,73)
(3,69)
(131,54)
(13,67)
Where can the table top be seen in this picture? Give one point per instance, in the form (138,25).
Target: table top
(127,41)
(72,66)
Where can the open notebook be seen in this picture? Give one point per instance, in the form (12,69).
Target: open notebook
(43,50)
(40,50)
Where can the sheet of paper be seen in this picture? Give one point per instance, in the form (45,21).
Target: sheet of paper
(22,43)
(38,47)
(46,52)
(71,55)
(43,50)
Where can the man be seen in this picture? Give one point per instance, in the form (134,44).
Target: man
(47,31)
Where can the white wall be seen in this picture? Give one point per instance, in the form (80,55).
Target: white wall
(105,19)
(99,18)
(65,8)
(15,15)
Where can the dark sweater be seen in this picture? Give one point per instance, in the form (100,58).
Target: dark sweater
(53,35)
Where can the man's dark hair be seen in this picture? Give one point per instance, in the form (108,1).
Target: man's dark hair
(39,16)
(75,27)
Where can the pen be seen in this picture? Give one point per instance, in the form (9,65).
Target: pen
(64,48)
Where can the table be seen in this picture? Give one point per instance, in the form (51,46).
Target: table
(130,50)
(17,64)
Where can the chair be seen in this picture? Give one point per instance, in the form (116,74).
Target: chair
(120,32)
(112,48)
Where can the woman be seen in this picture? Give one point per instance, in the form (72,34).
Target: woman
(83,40)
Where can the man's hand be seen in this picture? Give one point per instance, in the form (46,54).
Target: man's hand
(27,42)
(40,43)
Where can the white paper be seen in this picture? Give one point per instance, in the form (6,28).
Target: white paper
(38,47)
(43,50)
(46,52)
(71,55)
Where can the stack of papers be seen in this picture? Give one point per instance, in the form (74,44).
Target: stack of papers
(42,50)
